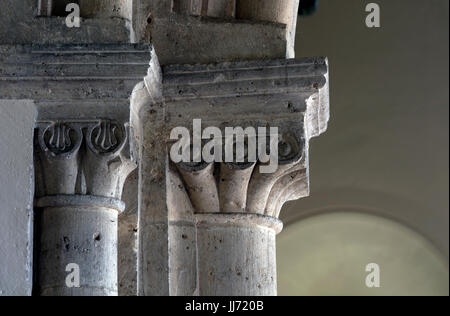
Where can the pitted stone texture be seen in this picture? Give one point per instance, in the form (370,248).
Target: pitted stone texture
(199,31)
(74,81)
(280,11)
(128,232)
(81,168)
(236,256)
(188,40)
(229,213)
(84,150)
(89,158)
(20,25)
(86,236)
(291,95)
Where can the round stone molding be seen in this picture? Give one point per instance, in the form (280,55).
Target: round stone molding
(239,219)
(80,201)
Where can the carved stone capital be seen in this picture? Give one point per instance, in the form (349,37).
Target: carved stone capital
(83,157)
(245,187)
(84,151)
(289,95)
(214,223)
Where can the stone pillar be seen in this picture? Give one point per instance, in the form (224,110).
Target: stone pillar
(81,167)
(217,222)
(45,7)
(237,254)
(181,35)
(210,8)
(236,215)
(84,150)
(278,11)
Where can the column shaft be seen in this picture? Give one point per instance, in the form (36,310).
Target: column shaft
(237,255)
(77,234)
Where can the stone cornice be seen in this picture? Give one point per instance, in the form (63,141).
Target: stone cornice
(252,78)
(64,78)
(264,91)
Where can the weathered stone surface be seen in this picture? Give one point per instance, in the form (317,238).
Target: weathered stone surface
(237,255)
(21,25)
(16,196)
(212,8)
(107,8)
(188,40)
(189,218)
(183,38)
(84,152)
(84,235)
(280,11)
(93,79)
(81,168)
(214,205)
(82,158)
(153,260)
(128,232)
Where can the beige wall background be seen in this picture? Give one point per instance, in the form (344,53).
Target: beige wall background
(386,149)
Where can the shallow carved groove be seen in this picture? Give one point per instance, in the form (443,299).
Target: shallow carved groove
(280,194)
(179,205)
(233,186)
(296,190)
(291,153)
(242,187)
(289,94)
(202,187)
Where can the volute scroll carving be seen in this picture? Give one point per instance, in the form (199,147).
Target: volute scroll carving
(106,137)
(60,139)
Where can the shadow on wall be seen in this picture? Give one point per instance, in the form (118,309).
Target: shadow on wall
(328,254)
(406,211)
(385,152)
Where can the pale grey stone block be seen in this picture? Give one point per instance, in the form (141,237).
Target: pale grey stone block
(16,196)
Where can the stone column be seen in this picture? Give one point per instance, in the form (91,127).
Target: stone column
(84,150)
(81,167)
(237,254)
(210,8)
(236,216)
(216,223)
(278,11)
(45,7)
